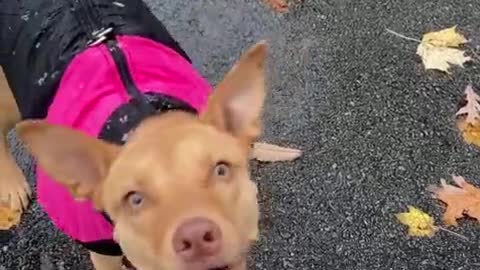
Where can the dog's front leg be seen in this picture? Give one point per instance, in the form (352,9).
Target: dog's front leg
(14,189)
(102,262)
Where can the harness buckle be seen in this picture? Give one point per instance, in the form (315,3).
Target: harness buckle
(99,36)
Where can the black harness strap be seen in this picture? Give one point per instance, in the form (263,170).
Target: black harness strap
(121,63)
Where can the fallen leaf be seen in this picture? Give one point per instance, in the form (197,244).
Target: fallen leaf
(448,37)
(419,223)
(462,199)
(441,58)
(278,5)
(8,217)
(270,153)
(468,117)
(470,133)
(472,108)
(439,50)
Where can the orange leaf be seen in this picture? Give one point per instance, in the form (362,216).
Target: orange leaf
(468,117)
(462,199)
(278,5)
(470,132)
(8,217)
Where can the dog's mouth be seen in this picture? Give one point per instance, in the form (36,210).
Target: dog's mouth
(233,266)
(223,267)
(219,262)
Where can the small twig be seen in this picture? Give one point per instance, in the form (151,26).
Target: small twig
(402,36)
(452,232)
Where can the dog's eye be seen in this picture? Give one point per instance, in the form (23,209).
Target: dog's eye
(222,169)
(134,199)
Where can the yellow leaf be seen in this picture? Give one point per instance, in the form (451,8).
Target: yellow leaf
(448,37)
(441,58)
(470,132)
(271,153)
(439,49)
(419,223)
(8,217)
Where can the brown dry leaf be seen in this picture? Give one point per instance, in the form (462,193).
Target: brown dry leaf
(270,153)
(471,110)
(439,50)
(461,200)
(8,217)
(468,117)
(278,5)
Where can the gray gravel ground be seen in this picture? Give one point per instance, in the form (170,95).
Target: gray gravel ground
(376,129)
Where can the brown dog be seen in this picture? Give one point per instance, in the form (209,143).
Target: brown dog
(178,192)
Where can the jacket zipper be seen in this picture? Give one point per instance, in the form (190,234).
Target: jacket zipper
(87,16)
(125,75)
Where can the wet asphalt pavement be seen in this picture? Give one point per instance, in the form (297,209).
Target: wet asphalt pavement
(375,127)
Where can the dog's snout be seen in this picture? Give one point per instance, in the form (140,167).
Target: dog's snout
(197,238)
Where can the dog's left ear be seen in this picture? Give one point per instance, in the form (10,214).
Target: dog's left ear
(236,104)
(72,158)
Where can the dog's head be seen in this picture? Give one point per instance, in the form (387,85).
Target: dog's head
(179,191)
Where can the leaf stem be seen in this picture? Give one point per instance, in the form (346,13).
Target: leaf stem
(402,36)
(452,232)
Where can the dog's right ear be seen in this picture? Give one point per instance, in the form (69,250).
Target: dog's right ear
(70,157)
(236,105)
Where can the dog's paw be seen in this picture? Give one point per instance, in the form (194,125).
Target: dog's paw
(14,196)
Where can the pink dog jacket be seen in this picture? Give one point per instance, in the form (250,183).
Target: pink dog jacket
(90,91)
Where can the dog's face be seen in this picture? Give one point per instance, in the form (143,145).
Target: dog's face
(179,191)
(181,197)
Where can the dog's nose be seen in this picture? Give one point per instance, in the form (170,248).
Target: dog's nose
(197,238)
